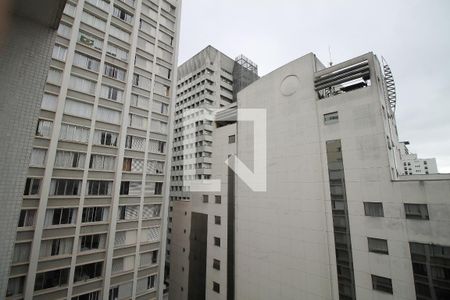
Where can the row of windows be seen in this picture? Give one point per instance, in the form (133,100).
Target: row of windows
(412,210)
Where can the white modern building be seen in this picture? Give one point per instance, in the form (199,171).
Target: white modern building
(92,211)
(412,165)
(337,220)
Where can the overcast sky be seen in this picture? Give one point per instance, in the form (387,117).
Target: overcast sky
(413,36)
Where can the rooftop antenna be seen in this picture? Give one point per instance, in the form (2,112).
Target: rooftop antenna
(329,53)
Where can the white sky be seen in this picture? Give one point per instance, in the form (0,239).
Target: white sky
(413,36)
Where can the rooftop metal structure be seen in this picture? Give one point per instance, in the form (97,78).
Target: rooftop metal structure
(247,63)
(245,72)
(390,85)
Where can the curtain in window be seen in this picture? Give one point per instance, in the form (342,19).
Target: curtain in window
(140,101)
(129,212)
(145,45)
(117,52)
(86,62)
(118,33)
(108,115)
(163,71)
(160,107)
(149,188)
(150,234)
(74,133)
(59,52)
(135,143)
(21,252)
(78,109)
(49,102)
(137,165)
(165,55)
(68,159)
(120,238)
(147,28)
(156,146)
(102,162)
(165,38)
(117,265)
(104,5)
(54,76)
(159,126)
(114,72)
(38,157)
(64,30)
(93,21)
(135,188)
(145,259)
(155,167)
(112,93)
(138,122)
(82,85)
(151,211)
(105,138)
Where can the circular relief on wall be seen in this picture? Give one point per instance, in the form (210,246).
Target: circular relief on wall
(289,85)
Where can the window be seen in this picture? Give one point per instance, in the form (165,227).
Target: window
(64,30)
(15,286)
(111,93)
(373,209)
(32,186)
(148,258)
(90,41)
(135,143)
(99,188)
(147,28)
(128,212)
(217,220)
(159,126)
(93,21)
(123,291)
(86,62)
(378,245)
(122,264)
(157,146)
(82,85)
(122,14)
(79,109)
(416,211)
(60,216)
(88,271)
(216,264)
(51,279)
(141,81)
(138,121)
(69,187)
(216,287)
(162,89)
(54,76)
(161,108)
(150,234)
(231,139)
(165,38)
(92,242)
(151,211)
(117,52)
(92,295)
(94,214)
(108,115)
(218,199)
(331,118)
(158,188)
(49,102)
(21,252)
(125,238)
(114,293)
(104,5)
(105,138)
(140,101)
(382,284)
(59,52)
(44,128)
(69,159)
(124,188)
(102,162)
(27,217)
(56,247)
(205,199)
(114,72)
(216,241)
(119,33)
(74,133)
(163,71)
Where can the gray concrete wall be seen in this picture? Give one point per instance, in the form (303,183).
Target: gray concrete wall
(24,59)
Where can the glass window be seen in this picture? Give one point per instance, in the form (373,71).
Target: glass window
(382,284)
(331,118)
(378,245)
(373,209)
(416,211)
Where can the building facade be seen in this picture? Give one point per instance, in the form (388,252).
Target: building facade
(412,165)
(207,82)
(27,36)
(337,219)
(92,212)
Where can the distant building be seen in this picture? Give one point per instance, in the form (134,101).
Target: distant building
(412,165)
(209,80)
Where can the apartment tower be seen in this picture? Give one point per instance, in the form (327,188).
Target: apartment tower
(92,212)
(337,219)
(207,83)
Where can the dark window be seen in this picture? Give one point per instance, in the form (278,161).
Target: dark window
(205,198)
(378,245)
(32,186)
(89,296)
(216,264)
(51,279)
(99,187)
(218,199)
(113,293)
(382,284)
(88,271)
(124,187)
(62,216)
(373,209)
(216,241)
(158,188)
(217,220)
(92,214)
(89,242)
(331,118)
(231,139)
(216,287)
(416,211)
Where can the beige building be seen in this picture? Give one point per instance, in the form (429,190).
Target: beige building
(337,221)
(92,212)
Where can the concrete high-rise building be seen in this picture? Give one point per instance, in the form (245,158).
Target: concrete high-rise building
(94,204)
(27,36)
(208,81)
(338,220)
(412,165)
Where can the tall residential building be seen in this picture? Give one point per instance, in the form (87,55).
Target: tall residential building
(208,81)
(337,220)
(96,193)
(27,35)
(412,165)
